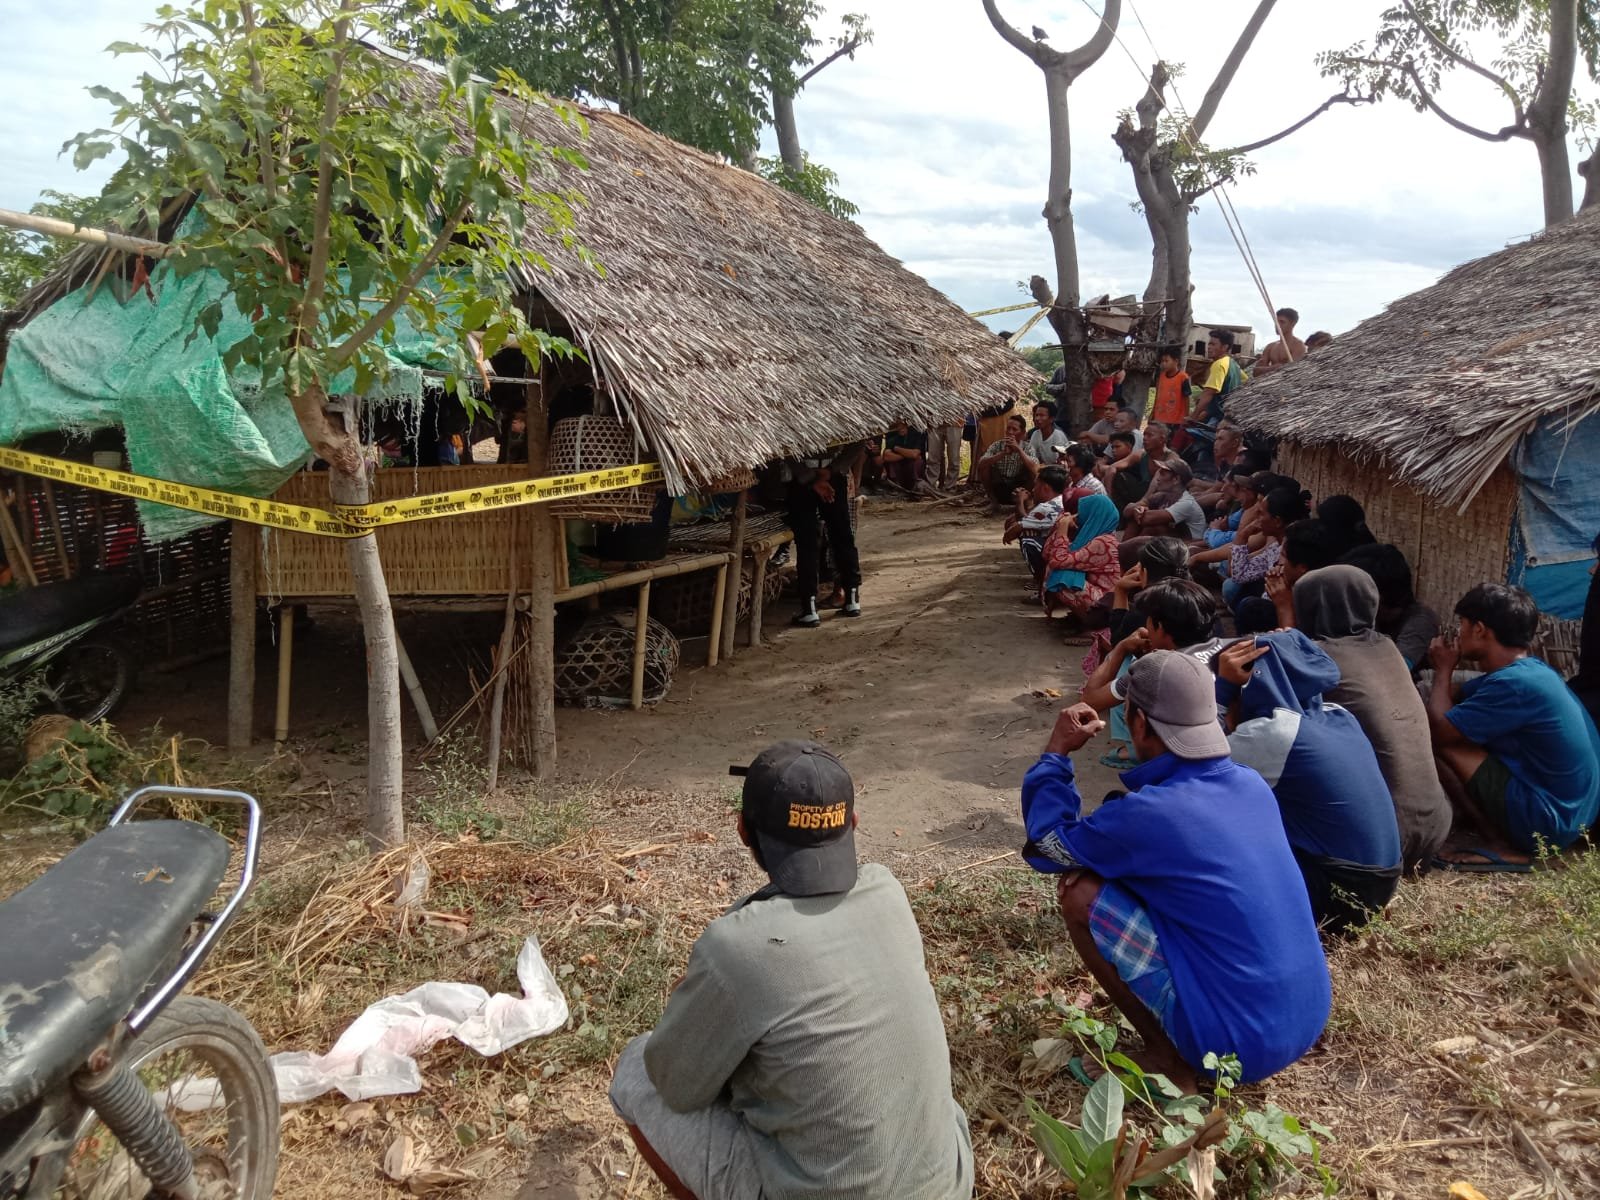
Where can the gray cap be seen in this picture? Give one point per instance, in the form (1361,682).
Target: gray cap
(1179,696)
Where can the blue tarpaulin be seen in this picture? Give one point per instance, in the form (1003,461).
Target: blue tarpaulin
(1558,514)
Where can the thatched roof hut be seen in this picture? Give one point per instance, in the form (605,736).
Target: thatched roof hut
(1460,418)
(734,322)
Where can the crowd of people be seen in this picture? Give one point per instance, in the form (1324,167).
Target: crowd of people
(1295,735)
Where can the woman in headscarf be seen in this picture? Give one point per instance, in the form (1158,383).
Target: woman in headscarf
(1401,616)
(1337,607)
(1081,564)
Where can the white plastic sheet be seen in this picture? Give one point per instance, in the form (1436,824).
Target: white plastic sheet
(376,1055)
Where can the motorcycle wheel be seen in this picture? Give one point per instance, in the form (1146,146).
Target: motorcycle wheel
(208,1072)
(89,681)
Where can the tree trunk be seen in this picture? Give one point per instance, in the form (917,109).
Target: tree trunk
(1547,114)
(544,534)
(244,541)
(788,132)
(1589,168)
(385,747)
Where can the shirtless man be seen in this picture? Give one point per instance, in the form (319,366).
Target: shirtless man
(1286,349)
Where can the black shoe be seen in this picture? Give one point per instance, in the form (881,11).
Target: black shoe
(852,603)
(807,617)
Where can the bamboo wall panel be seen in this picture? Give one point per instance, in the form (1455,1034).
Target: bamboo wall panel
(467,555)
(1449,552)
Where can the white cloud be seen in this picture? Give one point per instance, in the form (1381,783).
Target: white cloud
(937,130)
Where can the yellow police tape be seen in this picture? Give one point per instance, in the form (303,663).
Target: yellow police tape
(344,520)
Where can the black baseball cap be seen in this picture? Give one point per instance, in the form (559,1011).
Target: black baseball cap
(798,806)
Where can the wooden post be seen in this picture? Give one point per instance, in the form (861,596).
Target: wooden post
(714,642)
(243,542)
(280,727)
(497,706)
(641,632)
(758,592)
(543,530)
(16,550)
(69,566)
(419,700)
(730,602)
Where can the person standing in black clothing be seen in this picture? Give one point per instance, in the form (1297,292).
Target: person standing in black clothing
(820,492)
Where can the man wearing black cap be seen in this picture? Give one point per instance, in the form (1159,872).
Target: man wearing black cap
(802,1054)
(1181,895)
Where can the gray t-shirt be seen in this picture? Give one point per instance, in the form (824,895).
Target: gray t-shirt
(1043,449)
(813,1017)
(1188,518)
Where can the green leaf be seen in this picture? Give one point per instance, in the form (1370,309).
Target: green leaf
(88,153)
(1059,1143)
(1102,1109)
(121,48)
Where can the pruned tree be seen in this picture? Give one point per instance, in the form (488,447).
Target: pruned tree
(1173,167)
(1421,43)
(346,199)
(854,33)
(1060,69)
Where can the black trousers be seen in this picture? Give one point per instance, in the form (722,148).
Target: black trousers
(807,513)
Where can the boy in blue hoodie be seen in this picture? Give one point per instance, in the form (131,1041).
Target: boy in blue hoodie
(1181,894)
(1335,804)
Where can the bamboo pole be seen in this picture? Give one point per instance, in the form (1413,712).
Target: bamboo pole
(69,566)
(16,550)
(611,583)
(730,604)
(641,632)
(714,642)
(83,233)
(280,728)
(419,699)
(497,706)
(244,539)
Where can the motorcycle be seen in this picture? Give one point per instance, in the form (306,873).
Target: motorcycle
(112,1083)
(44,637)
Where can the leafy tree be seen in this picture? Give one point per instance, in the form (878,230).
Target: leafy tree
(813,182)
(26,258)
(1421,43)
(1173,167)
(339,193)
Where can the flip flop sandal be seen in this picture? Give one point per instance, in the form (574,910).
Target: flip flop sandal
(1132,1086)
(1078,639)
(1493,864)
(1119,762)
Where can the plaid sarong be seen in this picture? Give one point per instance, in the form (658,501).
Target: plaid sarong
(1123,933)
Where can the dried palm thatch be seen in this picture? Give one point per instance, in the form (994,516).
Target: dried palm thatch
(734,322)
(1440,386)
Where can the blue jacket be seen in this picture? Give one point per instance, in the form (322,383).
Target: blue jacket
(1315,757)
(1201,846)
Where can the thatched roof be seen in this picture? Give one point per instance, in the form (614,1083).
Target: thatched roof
(1440,386)
(736,322)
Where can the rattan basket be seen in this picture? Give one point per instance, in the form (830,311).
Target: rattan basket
(597,444)
(595,668)
(733,481)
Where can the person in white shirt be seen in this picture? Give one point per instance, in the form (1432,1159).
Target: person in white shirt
(1037,513)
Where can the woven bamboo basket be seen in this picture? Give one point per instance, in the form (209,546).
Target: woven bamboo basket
(683,602)
(595,668)
(581,444)
(733,481)
(1557,643)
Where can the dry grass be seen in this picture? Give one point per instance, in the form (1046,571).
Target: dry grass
(1413,1105)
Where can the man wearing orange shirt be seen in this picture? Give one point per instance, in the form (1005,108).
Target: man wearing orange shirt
(1172,390)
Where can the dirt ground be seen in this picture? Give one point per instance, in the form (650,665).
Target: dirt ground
(1464,1043)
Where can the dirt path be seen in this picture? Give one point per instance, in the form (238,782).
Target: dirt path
(928,697)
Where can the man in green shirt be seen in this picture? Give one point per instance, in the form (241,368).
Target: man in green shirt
(802,1056)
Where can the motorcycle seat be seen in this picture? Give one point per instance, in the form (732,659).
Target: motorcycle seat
(80,944)
(36,613)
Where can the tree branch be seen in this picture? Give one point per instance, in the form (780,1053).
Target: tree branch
(1155,97)
(269,172)
(1341,98)
(1229,68)
(1086,55)
(1037,51)
(1455,56)
(317,270)
(1409,70)
(345,351)
(849,47)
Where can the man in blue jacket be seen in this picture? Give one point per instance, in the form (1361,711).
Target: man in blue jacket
(1181,895)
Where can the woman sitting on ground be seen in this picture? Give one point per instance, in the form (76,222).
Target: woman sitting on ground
(1337,607)
(1404,619)
(1347,520)
(1255,549)
(1080,558)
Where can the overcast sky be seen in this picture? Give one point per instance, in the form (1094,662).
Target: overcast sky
(937,131)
